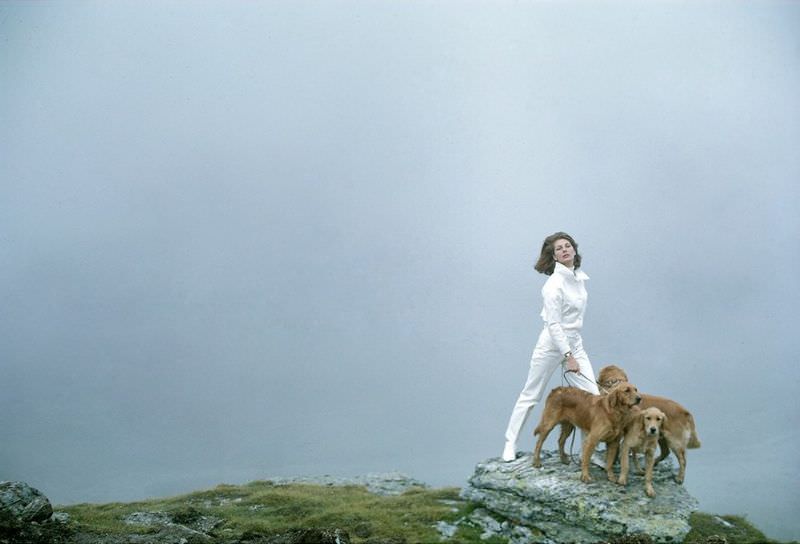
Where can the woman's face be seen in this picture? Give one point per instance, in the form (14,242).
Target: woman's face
(564,252)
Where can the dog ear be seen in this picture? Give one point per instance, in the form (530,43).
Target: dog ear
(663,419)
(613,397)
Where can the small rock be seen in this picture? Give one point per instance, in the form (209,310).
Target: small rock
(60,517)
(723,522)
(446,530)
(148,519)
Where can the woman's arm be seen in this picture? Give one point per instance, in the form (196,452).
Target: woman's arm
(553,297)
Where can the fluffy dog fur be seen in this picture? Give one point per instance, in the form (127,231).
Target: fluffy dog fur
(641,436)
(678,433)
(603,417)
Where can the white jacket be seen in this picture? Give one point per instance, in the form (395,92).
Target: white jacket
(565,296)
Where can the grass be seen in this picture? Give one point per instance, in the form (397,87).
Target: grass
(262,508)
(735,529)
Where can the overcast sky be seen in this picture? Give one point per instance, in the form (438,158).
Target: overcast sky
(250,239)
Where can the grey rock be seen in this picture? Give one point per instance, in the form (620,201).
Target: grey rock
(723,522)
(189,524)
(148,519)
(554,502)
(513,533)
(384,483)
(60,517)
(446,530)
(24,503)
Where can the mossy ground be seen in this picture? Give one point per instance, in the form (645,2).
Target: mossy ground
(264,508)
(735,529)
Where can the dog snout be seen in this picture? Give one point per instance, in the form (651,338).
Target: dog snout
(638,399)
(652,430)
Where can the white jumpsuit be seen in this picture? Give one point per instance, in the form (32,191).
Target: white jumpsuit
(565,296)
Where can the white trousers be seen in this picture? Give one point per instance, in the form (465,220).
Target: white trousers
(545,360)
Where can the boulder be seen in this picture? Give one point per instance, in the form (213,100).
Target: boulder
(554,502)
(23,503)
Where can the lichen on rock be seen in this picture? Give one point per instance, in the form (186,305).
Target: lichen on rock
(553,500)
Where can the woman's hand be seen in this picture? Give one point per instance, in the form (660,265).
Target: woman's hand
(572,364)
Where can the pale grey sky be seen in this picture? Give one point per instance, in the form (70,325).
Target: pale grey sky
(251,239)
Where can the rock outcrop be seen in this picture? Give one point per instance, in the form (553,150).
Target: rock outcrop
(26,516)
(554,503)
(24,503)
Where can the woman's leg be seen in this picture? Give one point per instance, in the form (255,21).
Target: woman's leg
(544,361)
(584,378)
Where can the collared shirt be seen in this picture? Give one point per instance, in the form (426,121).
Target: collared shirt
(565,296)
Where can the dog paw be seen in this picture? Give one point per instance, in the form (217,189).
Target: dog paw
(612,478)
(585,478)
(537,464)
(650,491)
(622,481)
(565,459)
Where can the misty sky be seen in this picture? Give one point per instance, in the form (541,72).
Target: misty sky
(242,240)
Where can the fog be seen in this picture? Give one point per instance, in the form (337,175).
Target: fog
(242,240)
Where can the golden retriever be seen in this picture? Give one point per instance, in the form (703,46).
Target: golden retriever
(603,417)
(678,433)
(641,436)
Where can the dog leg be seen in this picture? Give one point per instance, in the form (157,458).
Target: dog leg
(542,430)
(623,463)
(663,446)
(589,444)
(635,459)
(680,453)
(649,459)
(566,430)
(611,454)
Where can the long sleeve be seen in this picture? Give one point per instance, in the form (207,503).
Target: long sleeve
(551,312)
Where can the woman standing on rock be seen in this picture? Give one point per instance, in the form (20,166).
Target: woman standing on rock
(560,342)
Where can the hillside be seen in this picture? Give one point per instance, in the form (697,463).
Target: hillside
(379,509)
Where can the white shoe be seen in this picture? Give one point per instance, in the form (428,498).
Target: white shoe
(509,452)
(599,458)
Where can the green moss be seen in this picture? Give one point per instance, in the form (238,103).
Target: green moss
(263,508)
(740,530)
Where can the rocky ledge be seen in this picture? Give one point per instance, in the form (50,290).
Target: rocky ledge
(556,506)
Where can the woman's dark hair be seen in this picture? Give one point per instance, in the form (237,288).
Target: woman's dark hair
(547,263)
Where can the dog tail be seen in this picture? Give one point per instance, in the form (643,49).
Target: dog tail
(694,441)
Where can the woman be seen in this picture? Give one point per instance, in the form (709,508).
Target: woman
(560,342)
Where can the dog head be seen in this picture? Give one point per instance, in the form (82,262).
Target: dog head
(624,395)
(652,419)
(609,377)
